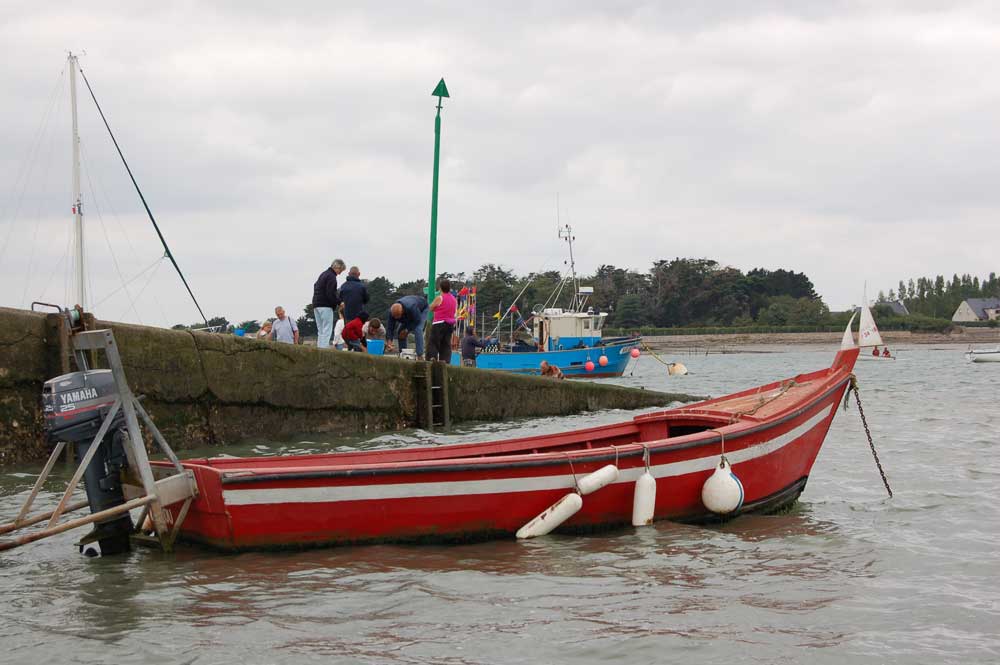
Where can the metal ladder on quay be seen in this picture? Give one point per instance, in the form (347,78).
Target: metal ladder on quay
(433,407)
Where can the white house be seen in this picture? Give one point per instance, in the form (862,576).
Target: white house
(977,309)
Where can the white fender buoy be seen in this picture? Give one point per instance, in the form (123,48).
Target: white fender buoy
(677,369)
(722,493)
(553,516)
(592,482)
(644,500)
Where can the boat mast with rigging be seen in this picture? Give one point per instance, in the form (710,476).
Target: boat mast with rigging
(78,248)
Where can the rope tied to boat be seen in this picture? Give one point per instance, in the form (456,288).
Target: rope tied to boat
(576,481)
(722,452)
(762,402)
(864,421)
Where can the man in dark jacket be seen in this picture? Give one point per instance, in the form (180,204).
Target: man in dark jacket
(353,294)
(469,345)
(325,302)
(407,316)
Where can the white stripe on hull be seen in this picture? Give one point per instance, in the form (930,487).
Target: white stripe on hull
(282,495)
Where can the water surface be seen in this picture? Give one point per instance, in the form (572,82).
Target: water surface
(847,575)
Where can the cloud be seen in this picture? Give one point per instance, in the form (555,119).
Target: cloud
(854,142)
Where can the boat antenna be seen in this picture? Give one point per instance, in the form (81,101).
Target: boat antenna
(566,233)
(149,212)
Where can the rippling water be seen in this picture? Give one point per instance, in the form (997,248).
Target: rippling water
(846,576)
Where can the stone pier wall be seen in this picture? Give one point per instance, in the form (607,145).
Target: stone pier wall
(204,388)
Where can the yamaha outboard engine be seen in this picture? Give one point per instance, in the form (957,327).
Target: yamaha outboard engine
(75,406)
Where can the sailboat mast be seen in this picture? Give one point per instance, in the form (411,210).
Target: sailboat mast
(81,283)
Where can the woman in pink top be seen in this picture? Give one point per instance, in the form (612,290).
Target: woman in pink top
(444,308)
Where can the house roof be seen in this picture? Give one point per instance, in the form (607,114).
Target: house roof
(898,308)
(979,305)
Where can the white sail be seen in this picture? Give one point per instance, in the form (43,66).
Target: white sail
(868,334)
(848,341)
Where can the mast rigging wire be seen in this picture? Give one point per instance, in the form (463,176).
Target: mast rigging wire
(46,186)
(136,276)
(107,239)
(149,212)
(28,166)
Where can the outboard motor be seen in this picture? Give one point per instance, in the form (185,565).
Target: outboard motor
(75,406)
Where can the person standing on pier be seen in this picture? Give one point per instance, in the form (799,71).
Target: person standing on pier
(469,345)
(407,316)
(325,302)
(354,294)
(283,329)
(444,307)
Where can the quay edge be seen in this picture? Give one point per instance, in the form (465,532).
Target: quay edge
(210,389)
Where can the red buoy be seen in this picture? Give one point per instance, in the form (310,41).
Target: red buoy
(589,366)
(635,353)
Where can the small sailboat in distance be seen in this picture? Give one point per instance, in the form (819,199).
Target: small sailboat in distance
(869,337)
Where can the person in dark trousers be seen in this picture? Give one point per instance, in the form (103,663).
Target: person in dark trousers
(325,302)
(407,316)
(469,345)
(354,333)
(354,294)
(444,307)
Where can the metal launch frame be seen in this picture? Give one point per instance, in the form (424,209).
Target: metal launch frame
(152,490)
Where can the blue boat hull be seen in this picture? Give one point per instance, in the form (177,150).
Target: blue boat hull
(572,362)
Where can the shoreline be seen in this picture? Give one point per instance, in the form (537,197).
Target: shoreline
(767,342)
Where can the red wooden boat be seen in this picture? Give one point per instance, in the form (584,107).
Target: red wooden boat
(771,436)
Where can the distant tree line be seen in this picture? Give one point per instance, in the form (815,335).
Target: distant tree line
(673,293)
(939,297)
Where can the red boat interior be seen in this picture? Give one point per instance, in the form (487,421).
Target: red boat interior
(671,427)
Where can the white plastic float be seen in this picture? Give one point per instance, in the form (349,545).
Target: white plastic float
(592,482)
(570,504)
(553,516)
(644,500)
(722,493)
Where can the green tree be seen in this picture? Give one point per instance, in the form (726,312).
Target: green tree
(307,322)
(495,285)
(381,294)
(630,312)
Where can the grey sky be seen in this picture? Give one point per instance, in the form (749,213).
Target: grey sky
(851,141)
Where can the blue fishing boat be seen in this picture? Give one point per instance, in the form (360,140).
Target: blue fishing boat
(570,339)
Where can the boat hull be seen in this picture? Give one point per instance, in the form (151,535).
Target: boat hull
(487,490)
(983,356)
(572,362)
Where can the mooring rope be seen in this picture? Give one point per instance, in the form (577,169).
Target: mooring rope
(653,353)
(576,482)
(868,433)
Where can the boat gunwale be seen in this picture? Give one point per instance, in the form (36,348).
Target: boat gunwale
(740,429)
(617,343)
(605,431)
